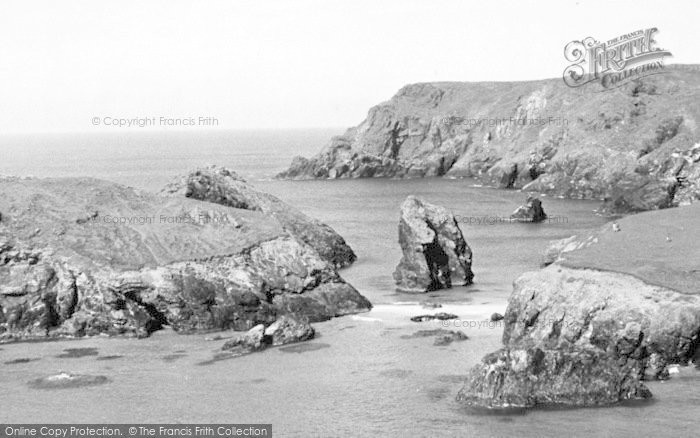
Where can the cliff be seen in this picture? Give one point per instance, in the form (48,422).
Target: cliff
(636,146)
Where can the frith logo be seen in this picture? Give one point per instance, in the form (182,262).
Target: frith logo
(614,62)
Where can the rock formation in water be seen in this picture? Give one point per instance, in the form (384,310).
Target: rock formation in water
(532,211)
(613,306)
(435,254)
(529,377)
(636,146)
(288,329)
(82,257)
(223,186)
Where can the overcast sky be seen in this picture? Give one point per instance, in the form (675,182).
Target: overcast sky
(287,63)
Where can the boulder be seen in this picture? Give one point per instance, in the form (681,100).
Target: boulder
(532,211)
(615,313)
(435,254)
(289,329)
(533,377)
(136,262)
(223,186)
(251,341)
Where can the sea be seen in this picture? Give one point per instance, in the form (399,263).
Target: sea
(363,375)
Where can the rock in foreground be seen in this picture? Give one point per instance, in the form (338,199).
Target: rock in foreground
(223,186)
(288,329)
(631,321)
(435,254)
(525,378)
(81,257)
(616,306)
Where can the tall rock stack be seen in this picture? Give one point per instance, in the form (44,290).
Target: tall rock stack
(435,254)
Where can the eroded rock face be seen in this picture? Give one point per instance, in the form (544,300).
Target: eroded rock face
(435,254)
(81,257)
(532,211)
(288,329)
(618,305)
(249,342)
(638,148)
(629,320)
(223,186)
(530,377)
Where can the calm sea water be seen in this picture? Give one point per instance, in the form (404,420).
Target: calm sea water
(361,376)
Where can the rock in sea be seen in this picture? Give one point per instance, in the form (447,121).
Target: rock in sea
(137,261)
(288,329)
(525,378)
(435,254)
(532,211)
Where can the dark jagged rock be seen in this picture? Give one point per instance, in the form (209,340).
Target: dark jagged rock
(532,211)
(629,320)
(630,146)
(253,340)
(496,317)
(440,316)
(145,261)
(287,329)
(525,378)
(602,310)
(223,186)
(435,254)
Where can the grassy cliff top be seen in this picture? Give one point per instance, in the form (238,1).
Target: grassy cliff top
(660,247)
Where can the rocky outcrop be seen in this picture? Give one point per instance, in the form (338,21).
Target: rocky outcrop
(629,320)
(81,257)
(532,211)
(251,341)
(435,254)
(223,186)
(636,146)
(532,377)
(495,317)
(288,329)
(619,305)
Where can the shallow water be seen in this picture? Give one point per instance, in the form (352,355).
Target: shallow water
(364,375)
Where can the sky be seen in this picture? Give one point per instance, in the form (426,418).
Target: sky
(286,64)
